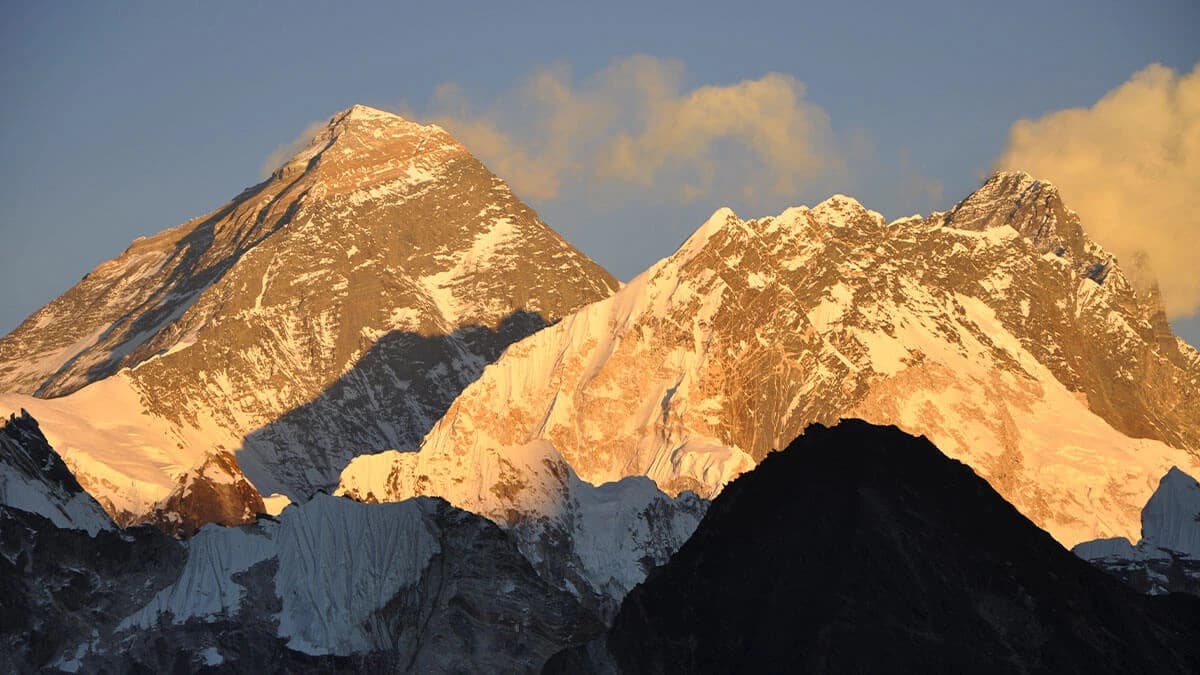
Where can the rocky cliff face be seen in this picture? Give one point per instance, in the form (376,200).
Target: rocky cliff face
(998,330)
(215,491)
(335,309)
(863,549)
(413,587)
(1120,352)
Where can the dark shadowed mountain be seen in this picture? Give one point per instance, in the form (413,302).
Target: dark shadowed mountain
(62,587)
(863,549)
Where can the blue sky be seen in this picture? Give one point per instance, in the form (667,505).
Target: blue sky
(120,120)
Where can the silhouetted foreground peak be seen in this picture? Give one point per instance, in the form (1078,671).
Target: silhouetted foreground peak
(861,548)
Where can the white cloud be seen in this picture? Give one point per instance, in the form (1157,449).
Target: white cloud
(635,126)
(1130,166)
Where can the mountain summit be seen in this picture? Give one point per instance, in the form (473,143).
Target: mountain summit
(334,309)
(997,329)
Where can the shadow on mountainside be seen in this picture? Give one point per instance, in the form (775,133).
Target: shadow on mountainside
(388,400)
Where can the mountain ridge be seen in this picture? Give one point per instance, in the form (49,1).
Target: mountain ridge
(334,309)
(34,478)
(330,583)
(1043,373)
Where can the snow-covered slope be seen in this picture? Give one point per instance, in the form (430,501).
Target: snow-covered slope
(138,465)
(334,309)
(332,585)
(1167,558)
(1171,519)
(597,542)
(351,578)
(34,479)
(329,583)
(997,330)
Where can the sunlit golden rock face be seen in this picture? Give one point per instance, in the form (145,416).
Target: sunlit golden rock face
(997,329)
(335,308)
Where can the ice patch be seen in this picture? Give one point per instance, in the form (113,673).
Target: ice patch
(339,562)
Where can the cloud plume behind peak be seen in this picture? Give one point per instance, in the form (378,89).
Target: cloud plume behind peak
(636,126)
(1130,166)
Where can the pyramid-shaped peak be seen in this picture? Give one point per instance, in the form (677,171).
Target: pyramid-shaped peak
(704,233)
(369,136)
(1006,176)
(360,111)
(1032,207)
(1013,190)
(360,118)
(365,113)
(1006,191)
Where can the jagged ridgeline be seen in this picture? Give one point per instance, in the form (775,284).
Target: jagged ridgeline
(336,308)
(997,329)
(331,585)
(328,331)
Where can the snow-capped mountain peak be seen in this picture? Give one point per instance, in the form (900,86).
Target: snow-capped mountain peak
(1167,558)
(360,111)
(842,211)
(1020,359)
(365,147)
(332,310)
(1171,519)
(779,233)
(1035,209)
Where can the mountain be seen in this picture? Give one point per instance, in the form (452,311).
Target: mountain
(332,584)
(997,329)
(863,549)
(66,570)
(1167,558)
(417,586)
(63,587)
(34,479)
(597,542)
(334,309)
